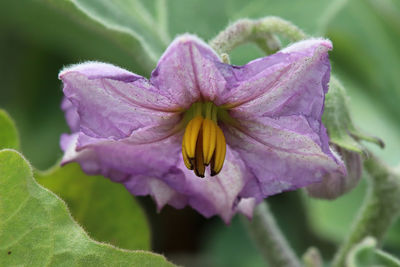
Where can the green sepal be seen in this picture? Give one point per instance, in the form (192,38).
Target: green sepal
(338,122)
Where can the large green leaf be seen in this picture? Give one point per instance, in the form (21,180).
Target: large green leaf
(365,254)
(36,228)
(105,209)
(8,132)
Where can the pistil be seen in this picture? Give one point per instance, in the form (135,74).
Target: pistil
(203,142)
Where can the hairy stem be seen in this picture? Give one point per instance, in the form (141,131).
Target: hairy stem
(269,239)
(262,32)
(380,209)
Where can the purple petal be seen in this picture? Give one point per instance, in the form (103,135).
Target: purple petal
(221,194)
(218,195)
(291,75)
(187,72)
(99,70)
(71,115)
(157,169)
(280,157)
(280,136)
(120,159)
(113,103)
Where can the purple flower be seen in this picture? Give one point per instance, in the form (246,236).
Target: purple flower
(252,130)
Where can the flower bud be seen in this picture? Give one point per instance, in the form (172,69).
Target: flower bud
(334,185)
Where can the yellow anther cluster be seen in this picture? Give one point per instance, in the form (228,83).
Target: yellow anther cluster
(203,144)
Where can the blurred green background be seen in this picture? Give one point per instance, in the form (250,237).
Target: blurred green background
(38,38)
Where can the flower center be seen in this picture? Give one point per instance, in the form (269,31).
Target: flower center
(203,142)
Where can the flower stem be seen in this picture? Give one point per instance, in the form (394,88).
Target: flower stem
(262,32)
(380,209)
(269,239)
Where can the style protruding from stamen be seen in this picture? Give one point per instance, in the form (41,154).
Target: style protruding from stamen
(203,142)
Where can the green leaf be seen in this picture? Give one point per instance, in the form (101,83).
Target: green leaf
(8,132)
(105,209)
(129,19)
(36,228)
(365,254)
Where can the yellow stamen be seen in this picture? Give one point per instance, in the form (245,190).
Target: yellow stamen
(185,156)
(209,139)
(203,141)
(191,134)
(219,156)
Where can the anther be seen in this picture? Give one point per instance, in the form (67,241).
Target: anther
(219,156)
(209,139)
(185,157)
(203,141)
(191,134)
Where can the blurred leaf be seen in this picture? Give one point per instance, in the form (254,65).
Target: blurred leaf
(128,19)
(132,24)
(189,16)
(231,246)
(63,29)
(365,254)
(373,116)
(8,132)
(332,219)
(37,230)
(220,13)
(105,209)
(366,43)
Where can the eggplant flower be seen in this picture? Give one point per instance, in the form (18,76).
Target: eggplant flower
(251,131)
